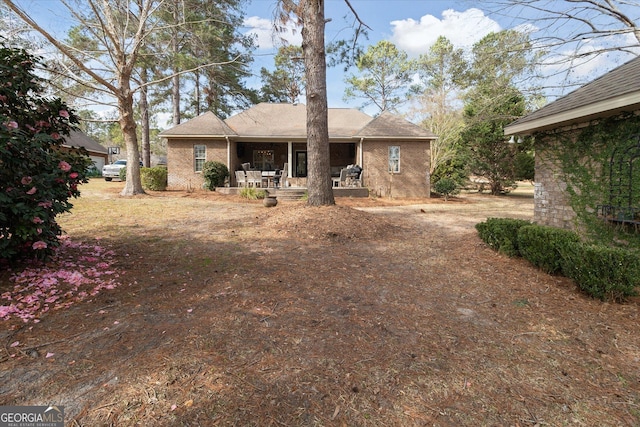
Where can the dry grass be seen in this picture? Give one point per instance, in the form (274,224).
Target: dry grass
(388,314)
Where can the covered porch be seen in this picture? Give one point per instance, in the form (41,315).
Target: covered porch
(284,164)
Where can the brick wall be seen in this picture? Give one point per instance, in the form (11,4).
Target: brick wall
(180,161)
(413,179)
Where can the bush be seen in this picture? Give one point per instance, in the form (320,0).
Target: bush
(214,174)
(501,234)
(446,187)
(154,179)
(37,177)
(123,174)
(543,246)
(253,194)
(606,273)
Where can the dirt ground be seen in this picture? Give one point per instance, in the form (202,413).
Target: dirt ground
(369,313)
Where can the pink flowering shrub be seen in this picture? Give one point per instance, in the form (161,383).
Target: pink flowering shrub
(37,176)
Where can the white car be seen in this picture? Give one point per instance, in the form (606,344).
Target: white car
(113,170)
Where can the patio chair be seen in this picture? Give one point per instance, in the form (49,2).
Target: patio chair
(254,179)
(241,179)
(341,181)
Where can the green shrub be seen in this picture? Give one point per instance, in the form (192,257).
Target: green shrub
(610,274)
(253,194)
(214,174)
(543,246)
(154,179)
(446,187)
(123,174)
(501,234)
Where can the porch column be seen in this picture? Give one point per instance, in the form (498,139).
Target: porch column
(289,158)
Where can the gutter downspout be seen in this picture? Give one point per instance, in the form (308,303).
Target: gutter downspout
(361,158)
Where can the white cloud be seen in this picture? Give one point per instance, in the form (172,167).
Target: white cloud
(267,38)
(463,29)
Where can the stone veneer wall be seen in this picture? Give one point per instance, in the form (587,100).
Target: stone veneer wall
(413,179)
(551,201)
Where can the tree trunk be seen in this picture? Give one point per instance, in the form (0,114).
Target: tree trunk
(175,80)
(133,184)
(144,112)
(320,191)
(196,89)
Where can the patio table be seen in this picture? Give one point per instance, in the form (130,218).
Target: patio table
(268,177)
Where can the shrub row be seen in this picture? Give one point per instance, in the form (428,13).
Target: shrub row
(602,272)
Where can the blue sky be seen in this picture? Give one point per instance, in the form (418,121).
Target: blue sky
(412,25)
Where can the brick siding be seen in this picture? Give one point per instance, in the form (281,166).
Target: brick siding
(413,179)
(180,161)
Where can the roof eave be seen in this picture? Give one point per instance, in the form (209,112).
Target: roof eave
(608,107)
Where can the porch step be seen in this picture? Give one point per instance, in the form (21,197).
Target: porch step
(283,194)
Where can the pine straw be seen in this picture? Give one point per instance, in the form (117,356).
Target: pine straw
(280,317)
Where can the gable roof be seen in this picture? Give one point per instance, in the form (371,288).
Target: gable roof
(616,91)
(207,124)
(78,139)
(289,121)
(389,125)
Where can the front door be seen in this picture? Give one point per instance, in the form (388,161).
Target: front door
(301,163)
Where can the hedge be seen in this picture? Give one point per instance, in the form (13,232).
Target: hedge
(606,273)
(501,234)
(543,246)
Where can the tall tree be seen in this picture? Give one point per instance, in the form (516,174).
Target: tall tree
(120,27)
(203,32)
(310,15)
(385,77)
(441,71)
(287,82)
(500,60)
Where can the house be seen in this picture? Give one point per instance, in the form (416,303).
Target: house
(393,153)
(97,152)
(586,146)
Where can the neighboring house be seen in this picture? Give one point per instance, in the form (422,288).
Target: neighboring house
(97,152)
(393,153)
(587,143)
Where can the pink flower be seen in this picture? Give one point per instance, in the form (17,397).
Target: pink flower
(39,245)
(37,220)
(26,180)
(73,175)
(11,125)
(55,135)
(46,204)
(64,113)
(32,191)
(64,166)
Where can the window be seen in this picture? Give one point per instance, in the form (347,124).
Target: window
(394,159)
(263,160)
(199,156)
